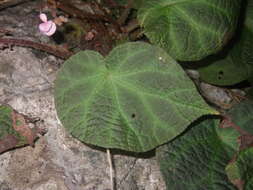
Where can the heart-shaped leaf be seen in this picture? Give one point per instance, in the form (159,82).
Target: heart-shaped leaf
(189,30)
(197,159)
(136,98)
(237,65)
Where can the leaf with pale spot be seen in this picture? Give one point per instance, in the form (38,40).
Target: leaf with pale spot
(134,99)
(237,64)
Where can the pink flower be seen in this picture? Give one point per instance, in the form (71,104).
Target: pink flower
(47,27)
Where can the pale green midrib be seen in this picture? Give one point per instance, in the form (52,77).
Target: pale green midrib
(163,125)
(124,61)
(197,27)
(85,114)
(171,102)
(125,117)
(130,86)
(174,39)
(123,75)
(148,108)
(167,94)
(70,89)
(111,136)
(149,32)
(90,56)
(176,2)
(114,123)
(86,104)
(77,82)
(194,23)
(142,18)
(114,116)
(171,34)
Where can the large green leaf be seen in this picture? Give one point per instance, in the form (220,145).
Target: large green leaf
(240,171)
(237,65)
(197,159)
(189,30)
(134,99)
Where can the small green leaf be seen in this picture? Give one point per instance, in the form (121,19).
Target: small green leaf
(134,99)
(242,169)
(237,65)
(242,115)
(197,159)
(224,72)
(189,30)
(9,138)
(5,121)
(229,136)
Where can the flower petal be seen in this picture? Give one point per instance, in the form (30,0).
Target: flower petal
(43,17)
(48,28)
(52,30)
(45,26)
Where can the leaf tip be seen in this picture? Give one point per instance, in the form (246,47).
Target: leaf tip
(215,112)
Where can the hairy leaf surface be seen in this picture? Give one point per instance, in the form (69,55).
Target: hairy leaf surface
(197,159)
(240,171)
(189,30)
(237,65)
(242,116)
(134,99)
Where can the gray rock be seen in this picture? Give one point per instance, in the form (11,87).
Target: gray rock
(57,161)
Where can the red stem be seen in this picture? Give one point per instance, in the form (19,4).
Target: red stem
(57,51)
